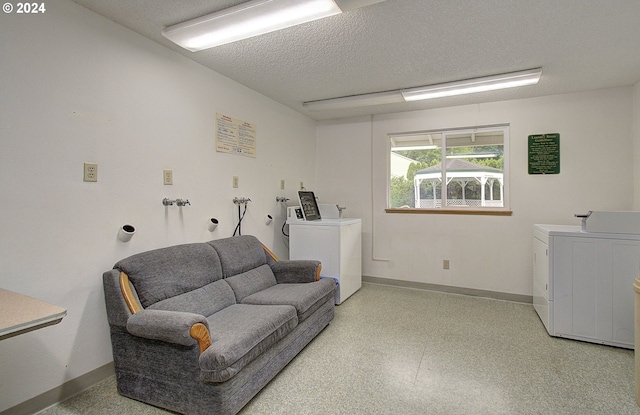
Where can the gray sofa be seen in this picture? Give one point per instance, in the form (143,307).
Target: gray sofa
(201,328)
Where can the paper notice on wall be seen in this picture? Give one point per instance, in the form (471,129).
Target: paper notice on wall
(235,136)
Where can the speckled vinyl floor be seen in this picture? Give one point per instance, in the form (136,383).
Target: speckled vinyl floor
(400,351)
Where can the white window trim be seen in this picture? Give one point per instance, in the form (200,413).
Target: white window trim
(504,210)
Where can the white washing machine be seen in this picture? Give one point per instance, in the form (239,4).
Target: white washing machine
(583,283)
(337,243)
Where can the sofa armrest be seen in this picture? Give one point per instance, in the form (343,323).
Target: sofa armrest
(296,271)
(170,326)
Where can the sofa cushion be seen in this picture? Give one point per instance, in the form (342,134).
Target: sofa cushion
(167,272)
(239,254)
(251,281)
(205,300)
(239,334)
(305,297)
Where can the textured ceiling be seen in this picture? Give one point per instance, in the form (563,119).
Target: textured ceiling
(581,45)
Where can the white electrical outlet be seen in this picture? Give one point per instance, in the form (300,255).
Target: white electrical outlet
(235,182)
(301,185)
(445,264)
(90,172)
(282,184)
(167,176)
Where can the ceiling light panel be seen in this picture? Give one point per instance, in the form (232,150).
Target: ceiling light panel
(354,101)
(489,83)
(246,20)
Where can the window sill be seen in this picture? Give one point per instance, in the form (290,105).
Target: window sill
(484,212)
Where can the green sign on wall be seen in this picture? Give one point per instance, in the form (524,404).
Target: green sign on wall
(544,154)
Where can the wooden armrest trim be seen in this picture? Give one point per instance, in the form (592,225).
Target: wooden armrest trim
(201,334)
(129,298)
(318,269)
(268,251)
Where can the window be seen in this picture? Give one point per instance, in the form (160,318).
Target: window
(449,169)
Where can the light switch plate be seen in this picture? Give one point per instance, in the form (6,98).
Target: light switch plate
(167,176)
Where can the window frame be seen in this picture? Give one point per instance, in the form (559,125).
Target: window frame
(504,210)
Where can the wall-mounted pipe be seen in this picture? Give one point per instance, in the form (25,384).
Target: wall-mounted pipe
(125,233)
(241,200)
(180,202)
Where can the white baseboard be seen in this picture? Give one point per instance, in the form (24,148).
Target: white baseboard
(518,298)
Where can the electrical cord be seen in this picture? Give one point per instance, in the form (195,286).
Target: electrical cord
(240,217)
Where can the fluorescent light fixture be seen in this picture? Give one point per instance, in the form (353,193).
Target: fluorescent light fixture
(470,86)
(246,20)
(354,101)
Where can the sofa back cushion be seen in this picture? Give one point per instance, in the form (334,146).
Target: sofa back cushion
(239,254)
(205,301)
(168,272)
(251,282)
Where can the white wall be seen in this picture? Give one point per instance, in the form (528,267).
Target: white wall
(486,252)
(79,88)
(636,135)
